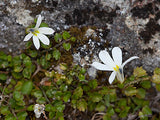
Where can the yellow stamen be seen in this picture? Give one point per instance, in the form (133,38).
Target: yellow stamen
(116,68)
(33,31)
(36,31)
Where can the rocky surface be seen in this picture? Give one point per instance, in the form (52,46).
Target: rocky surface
(133,25)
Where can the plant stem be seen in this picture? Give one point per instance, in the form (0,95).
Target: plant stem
(44,95)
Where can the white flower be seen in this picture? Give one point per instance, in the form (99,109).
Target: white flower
(38,34)
(114,64)
(38,110)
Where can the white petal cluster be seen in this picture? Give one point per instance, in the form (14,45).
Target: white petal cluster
(38,110)
(114,64)
(39,34)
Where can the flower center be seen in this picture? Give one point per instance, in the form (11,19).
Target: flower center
(33,31)
(116,68)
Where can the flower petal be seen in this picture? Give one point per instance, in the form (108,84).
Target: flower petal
(100,66)
(117,55)
(44,39)
(27,37)
(36,42)
(127,61)
(39,20)
(112,77)
(45,30)
(106,58)
(120,75)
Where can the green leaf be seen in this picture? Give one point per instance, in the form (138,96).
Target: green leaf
(58,95)
(67,46)
(82,105)
(140,102)
(27,72)
(141,115)
(30,108)
(63,66)
(139,72)
(82,78)
(73,39)
(7,91)
(157,71)
(66,97)
(4,110)
(17,96)
(22,56)
(59,115)
(18,86)
(22,115)
(48,56)
(56,54)
(110,111)
(10,117)
(51,115)
(27,61)
(18,68)
(43,24)
(17,75)
(156,76)
(59,106)
(124,112)
(9,58)
(83,71)
(27,87)
(37,94)
(50,93)
(78,92)
(63,87)
(3,76)
(122,103)
(130,91)
(86,88)
(146,84)
(66,35)
(100,107)
(50,74)
(13,82)
(95,97)
(158,87)
(33,53)
(43,61)
(3,56)
(107,100)
(61,118)
(57,37)
(107,117)
(141,93)
(17,61)
(91,105)
(146,110)
(28,44)
(41,100)
(111,92)
(93,84)
(4,64)
(48,107)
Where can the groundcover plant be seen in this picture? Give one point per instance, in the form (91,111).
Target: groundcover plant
(45,83)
